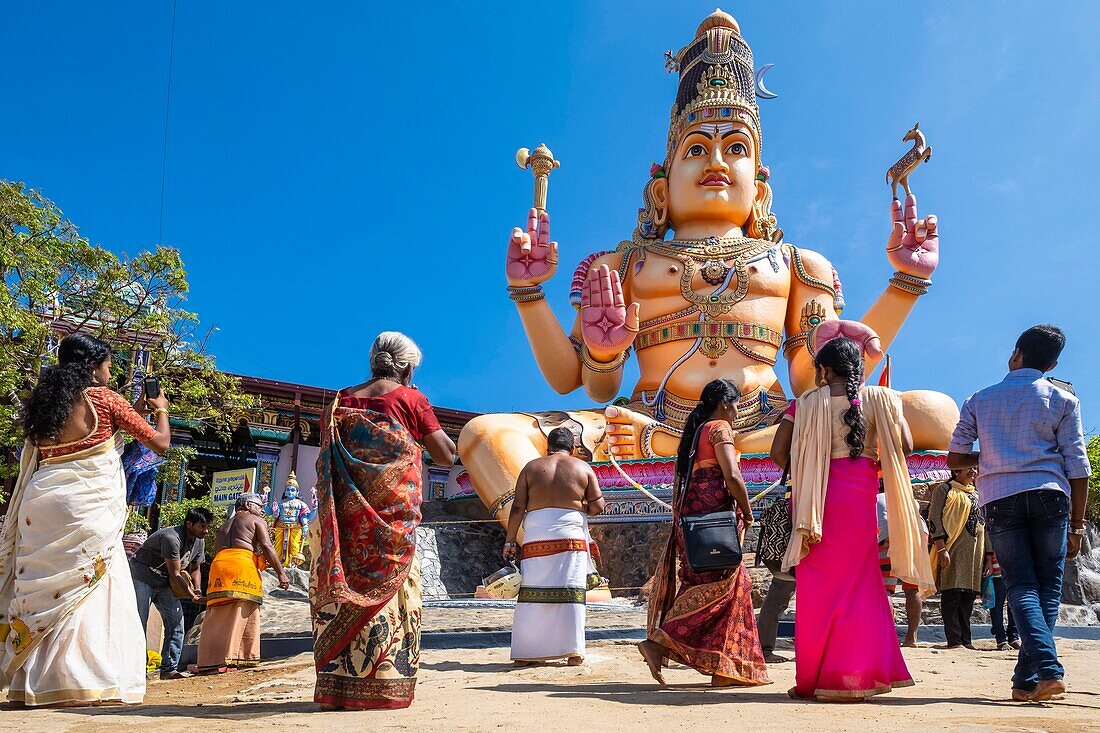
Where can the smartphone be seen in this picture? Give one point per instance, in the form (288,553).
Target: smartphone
(1062,385)
(152,387)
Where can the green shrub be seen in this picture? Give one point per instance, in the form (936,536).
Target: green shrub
(136,522)
(174,513)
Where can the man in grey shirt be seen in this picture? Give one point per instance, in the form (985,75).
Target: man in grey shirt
(165,568)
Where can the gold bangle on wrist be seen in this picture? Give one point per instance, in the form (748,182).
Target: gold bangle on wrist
(525,293)
(601,367)
(910,283)
(161,411)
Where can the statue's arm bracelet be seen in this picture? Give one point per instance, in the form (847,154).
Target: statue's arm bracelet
(793,342)
(910,284)
(601,367)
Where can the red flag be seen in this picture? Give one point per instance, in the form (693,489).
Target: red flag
(884,378)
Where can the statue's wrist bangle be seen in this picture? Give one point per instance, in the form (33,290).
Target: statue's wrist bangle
(600,367)
(511,544)
(526,293)
(910,283)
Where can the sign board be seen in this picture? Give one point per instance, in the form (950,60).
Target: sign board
(226,486)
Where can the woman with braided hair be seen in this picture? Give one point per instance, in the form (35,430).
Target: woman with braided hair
(705,620)
(67,606)
(837,438)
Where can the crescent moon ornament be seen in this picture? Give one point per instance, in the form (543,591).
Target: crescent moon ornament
(522,156)
(762,91)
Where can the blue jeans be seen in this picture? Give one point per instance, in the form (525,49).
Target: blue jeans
(1029,531)
(1001,633)
(170,612)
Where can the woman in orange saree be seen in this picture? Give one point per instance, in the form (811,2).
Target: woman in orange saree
(706,619)
(365,580)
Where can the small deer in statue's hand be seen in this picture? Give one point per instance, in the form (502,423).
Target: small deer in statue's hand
(899,172)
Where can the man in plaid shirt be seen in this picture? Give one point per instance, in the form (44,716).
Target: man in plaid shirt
(1032,484)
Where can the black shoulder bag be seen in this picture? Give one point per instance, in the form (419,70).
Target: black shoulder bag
(711,541)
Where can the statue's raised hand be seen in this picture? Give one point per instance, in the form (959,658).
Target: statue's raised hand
(914,244)
(532,258)
(861,333)
(608,325)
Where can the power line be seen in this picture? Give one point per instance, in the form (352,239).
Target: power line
(167,108)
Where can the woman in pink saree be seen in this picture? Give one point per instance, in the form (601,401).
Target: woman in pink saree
(838,438)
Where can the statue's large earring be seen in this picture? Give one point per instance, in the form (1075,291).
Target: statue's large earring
(653,216)
(764,225)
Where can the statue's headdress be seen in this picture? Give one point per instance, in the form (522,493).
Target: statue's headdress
(717,79)
(718,83)
(292,480)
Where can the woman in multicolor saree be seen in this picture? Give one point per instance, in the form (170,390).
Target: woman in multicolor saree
(706,620)
(67,605)
(837,439)
(365,581)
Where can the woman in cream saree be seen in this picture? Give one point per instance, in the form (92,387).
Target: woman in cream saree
(67,605)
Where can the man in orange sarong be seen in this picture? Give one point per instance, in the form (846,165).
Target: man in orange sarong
(230,634)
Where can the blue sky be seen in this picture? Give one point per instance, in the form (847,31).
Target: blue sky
(339,169)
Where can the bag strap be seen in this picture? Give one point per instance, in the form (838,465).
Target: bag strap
(691,469)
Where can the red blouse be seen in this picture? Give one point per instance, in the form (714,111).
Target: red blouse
(406,405)
(111,413)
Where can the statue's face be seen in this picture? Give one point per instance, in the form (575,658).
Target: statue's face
(712,174)
(290,493)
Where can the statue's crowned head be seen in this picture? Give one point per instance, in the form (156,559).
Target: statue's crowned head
(290,491)
(712,169)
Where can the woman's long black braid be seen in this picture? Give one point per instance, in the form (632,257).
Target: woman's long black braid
(60,386)
(844,357)
(719,391)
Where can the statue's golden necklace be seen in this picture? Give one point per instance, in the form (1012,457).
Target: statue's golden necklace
(716,256)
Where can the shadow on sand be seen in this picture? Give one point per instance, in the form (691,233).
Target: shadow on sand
(703,694)
(226,711)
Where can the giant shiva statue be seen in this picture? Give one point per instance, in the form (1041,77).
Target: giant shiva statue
(724,296)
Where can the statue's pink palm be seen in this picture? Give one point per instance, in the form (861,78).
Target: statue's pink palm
(608,324)
(914,244)
(532,258)
(861,333)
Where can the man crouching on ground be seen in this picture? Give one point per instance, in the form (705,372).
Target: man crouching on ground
(230,634)
(555,495)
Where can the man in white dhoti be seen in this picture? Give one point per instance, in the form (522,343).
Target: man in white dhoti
(555,495)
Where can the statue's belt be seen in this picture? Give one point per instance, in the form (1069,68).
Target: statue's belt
(708,330)
(756,409)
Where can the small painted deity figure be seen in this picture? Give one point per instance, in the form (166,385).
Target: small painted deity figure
(291,522)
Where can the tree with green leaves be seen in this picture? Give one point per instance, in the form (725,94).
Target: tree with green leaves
(58,282)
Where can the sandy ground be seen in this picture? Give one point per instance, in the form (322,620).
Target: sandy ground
(478,690)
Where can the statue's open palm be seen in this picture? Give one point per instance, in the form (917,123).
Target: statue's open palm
(914,244)
(532,258)
(608,324)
